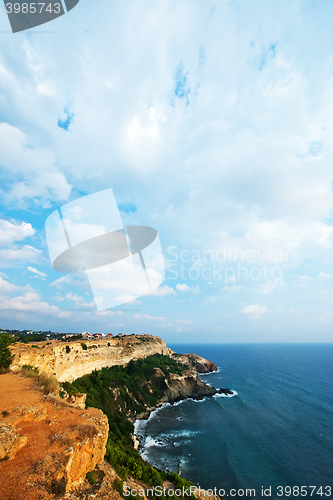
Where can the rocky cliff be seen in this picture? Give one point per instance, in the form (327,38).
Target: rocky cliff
(46,446)
(69,361)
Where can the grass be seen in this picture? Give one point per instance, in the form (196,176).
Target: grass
(46,381)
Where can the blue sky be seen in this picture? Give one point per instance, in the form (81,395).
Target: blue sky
(212,123)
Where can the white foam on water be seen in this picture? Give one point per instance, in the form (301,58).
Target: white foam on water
(222,395)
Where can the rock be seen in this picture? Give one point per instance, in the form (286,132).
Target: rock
(10,442)
(224,391)
(202,365)
(85,448)
(186,386)
(29,413)
(77,400)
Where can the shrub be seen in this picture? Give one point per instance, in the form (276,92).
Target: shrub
(118,486)
(6,356)
(48,382)
(68,349)
(29,371)
(83,345)
(91,478)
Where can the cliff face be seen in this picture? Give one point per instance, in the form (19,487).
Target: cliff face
(186,386)
(46,446)
(67,366)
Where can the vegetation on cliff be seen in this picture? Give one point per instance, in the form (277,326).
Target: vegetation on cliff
(122,392)
(5,354)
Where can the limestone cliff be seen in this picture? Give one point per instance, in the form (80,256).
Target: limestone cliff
(67,366)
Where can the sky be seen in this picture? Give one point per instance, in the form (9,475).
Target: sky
(212,123)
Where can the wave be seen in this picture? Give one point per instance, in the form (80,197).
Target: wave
(209,373)
(234,393)
(158,442)
(179,434)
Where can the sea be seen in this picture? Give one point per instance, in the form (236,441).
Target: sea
(272,439)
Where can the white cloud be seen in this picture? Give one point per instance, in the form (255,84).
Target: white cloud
(35,271)
(12,231)
(14,255)
(6,287)
(35,167)
(58,298)
(182,287)
(78,300)
(254,311)
(29,303)
(146,316)
(59,282)
(324,275)
(271,286)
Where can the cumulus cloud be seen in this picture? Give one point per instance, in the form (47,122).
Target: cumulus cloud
(182,287)
(254,311)
(31,304)
(6,287)
(12,231)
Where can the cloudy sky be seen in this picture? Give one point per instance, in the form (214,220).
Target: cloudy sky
(212,122)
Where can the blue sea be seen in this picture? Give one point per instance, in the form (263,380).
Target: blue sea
(277,431)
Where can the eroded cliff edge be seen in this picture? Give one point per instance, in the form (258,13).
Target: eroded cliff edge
(46,446)
(69,361)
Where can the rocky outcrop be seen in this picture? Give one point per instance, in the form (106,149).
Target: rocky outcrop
(188,385)
(200,364)
(84,447)
(10,442)
(69,361)
(45,444)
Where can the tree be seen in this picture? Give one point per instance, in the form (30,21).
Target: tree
(6,356)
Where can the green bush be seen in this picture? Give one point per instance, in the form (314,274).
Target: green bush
(6,356)
(118,486)
(84,346)
(68,349)
(91,478)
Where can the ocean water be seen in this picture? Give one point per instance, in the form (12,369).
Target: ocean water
(277,431)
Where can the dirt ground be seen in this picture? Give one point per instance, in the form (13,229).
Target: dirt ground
(23,477)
